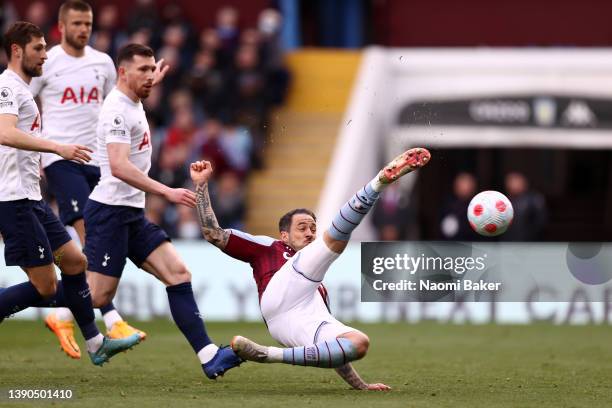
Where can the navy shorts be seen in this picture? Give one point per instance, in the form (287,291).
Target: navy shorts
(115,233)
(71,183)
(31,232)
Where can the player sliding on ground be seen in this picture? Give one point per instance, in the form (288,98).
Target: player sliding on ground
(292,298)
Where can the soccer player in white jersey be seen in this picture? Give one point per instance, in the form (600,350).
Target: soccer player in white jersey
(289,273)
(34,238)
(114,215)
(75,81)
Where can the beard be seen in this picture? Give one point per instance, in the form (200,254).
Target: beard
(74,42)
(143,93)
(31,70)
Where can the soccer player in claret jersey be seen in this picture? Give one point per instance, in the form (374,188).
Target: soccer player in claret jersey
(114,215)
(289,274)
(75,81)
(33,236)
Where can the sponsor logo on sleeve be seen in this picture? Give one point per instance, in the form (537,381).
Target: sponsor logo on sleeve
(6,97)
(118,126)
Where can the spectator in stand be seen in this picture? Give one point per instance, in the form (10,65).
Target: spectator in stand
(210,147)
(272,55)
(188,226)
(8,15)
(530,214)
(206,83)
(174,76)
(108,37)
(38,14)
(392,214)
(175,36)
(248,85)
(237,145)
(210,41)
(181,133)
(142,36)
(227,28)
(453,221)
(143,15)
(227,195)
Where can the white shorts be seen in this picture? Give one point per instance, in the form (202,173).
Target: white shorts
(291,305)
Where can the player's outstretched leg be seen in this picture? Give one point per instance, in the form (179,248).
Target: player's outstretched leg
(215,361)
(325,354)
(351,214)
(165,264)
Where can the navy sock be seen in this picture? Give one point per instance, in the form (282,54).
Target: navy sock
(186,315)
(78,299)
(105,309)
(57,300)
(18,297)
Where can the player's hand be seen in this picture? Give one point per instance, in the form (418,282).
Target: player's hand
(160,71)
(378,387)
(78,153)
(200,172)
(181,196)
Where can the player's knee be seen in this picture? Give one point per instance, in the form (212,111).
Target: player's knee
(73,264)
(180,274)
(362,344)
(101,297)
(47,287)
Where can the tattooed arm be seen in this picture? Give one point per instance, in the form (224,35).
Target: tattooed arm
(208,221)
(200,174)
(348,374)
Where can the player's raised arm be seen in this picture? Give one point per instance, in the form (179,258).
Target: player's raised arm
(200,174)
(122,168)
(13,137)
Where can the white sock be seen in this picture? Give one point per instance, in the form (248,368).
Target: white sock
(94,343)
(207,353)
(377,185)
(275,355)
(111,318)
(64,314)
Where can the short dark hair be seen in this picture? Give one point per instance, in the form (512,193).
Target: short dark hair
(20,33)
(285,221)
(78,5)
(127,52)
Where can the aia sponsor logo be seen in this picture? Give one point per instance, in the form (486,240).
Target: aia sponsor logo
(35,124)
(144,142)
(81,95)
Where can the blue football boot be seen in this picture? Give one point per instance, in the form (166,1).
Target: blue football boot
(110,347)
(224,359)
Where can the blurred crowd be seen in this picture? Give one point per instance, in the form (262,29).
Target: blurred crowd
(395,214)
(214,102)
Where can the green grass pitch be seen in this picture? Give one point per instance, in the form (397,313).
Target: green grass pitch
(427,364)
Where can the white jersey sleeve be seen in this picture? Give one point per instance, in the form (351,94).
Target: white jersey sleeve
(114,128)
(122,121)
(111,78)
(8,100)
(19,169)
